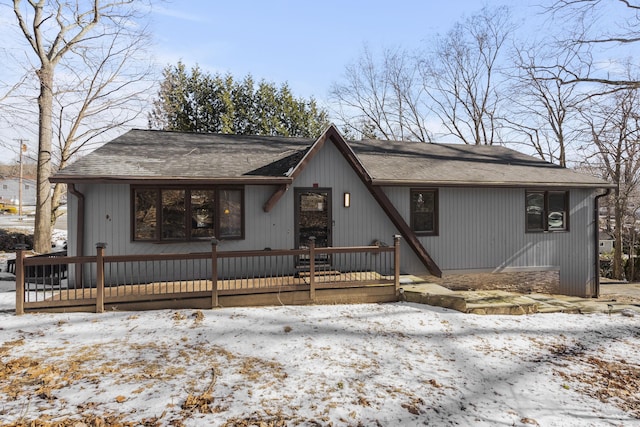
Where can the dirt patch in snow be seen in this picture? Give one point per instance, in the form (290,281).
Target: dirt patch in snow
(610,381)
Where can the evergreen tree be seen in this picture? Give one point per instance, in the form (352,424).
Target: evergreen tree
(198,102)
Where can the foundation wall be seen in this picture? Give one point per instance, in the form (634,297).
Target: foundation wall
(547,282)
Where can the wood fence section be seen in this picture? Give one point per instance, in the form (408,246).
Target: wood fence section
(208,279)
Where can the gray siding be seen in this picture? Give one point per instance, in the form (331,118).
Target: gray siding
(359,224)
(108,219)
(483,230)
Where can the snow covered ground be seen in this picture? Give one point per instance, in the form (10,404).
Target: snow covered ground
(342,365)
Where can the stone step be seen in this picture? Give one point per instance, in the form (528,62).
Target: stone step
(502,302)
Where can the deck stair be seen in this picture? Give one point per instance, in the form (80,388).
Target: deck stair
(322,268)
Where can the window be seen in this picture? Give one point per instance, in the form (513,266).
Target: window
(424,211)
(179,214)
(230,214)
(547,210)
(145,204)
(202,213)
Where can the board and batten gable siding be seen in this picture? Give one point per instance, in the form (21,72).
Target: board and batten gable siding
(483,230)
(358,225)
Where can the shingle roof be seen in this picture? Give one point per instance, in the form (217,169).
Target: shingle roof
(148,154)
(392,162)
(166,155)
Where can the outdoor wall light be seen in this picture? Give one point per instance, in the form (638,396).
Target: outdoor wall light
(347,200)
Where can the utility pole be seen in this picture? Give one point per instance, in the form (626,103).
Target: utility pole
(21,149)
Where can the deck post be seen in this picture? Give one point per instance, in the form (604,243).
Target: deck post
(396,262)
(100,277)
(312,268)
(214,272)
(20,248)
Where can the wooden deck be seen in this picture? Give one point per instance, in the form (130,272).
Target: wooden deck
(198,294)
(314,286)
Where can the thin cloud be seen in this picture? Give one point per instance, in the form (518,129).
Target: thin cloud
(173,13)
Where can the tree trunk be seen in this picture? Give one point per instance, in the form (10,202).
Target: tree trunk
(618,270)
(42,230)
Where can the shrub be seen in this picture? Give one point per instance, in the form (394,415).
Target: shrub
(10,238)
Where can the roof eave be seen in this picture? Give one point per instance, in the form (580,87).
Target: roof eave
(488,184)
(248,180)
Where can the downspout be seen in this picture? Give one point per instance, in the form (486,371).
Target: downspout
(596,238)
(80,220)
(79,231)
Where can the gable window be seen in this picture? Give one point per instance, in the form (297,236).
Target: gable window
(424,211)
(180,214)
(547,210)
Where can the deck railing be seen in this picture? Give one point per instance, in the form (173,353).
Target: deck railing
(63,281)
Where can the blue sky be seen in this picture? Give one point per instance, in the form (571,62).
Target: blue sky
(307,44)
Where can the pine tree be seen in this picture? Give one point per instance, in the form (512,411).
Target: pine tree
(199,102)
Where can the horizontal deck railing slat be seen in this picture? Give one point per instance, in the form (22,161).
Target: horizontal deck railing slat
(29,261)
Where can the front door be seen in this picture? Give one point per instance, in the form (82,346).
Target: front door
(313,216)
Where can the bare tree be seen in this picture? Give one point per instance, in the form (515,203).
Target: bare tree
(7,89)
(13,168)
(543,110)
(106,94)
(397,97)
(57,30)
(613,124)
(461,75)
(382,100)
(589,24)
(13,104)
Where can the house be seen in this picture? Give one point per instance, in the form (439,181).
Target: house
(606,242)
(470,217)
(10,191)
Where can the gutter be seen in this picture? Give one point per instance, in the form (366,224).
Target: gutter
(485,184)
(596,238)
